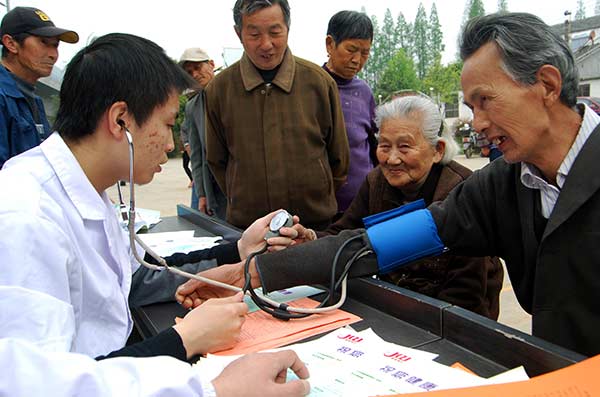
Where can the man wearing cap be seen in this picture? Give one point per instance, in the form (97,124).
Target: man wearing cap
(29,51)
(210,198)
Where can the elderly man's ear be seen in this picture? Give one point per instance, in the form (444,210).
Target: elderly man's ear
(551,83)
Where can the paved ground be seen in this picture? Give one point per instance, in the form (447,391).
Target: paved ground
(169,188)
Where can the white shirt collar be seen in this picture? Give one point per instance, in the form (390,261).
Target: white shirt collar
(80,190)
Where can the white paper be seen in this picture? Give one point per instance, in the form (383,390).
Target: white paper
(168,243)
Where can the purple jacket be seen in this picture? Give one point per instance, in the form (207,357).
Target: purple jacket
(358,107)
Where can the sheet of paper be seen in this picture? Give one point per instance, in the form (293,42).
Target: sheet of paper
(261,331)
(168,243)
(577,380)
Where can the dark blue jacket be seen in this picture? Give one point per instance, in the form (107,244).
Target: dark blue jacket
(18,132)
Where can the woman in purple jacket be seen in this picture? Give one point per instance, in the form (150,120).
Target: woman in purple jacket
(348,42)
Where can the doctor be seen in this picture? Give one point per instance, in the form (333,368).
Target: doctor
(60,239)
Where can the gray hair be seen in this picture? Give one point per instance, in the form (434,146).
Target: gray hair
(247,7)
(433,128)
(525,43)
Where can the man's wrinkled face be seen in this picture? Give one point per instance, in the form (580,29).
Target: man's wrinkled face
(36,56)
(511,115)
(264,36)
(202,72)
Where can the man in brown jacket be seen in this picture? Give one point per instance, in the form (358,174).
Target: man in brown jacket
(275,130)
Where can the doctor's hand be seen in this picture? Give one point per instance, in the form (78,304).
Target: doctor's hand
(194,292)
(253,238)
(214,326)
(263,374)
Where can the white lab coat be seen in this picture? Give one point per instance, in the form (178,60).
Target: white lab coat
(27,370)
(59,237)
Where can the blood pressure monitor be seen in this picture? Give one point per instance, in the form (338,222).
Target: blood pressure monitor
(281,219)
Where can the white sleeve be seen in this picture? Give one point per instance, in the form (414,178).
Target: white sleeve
(36,269)
(28,371)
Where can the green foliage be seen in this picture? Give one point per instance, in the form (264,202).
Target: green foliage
(436,37)
(580,14)
(445,81)
(387,37)
(477,9)
(502,6)
(399,75)
(421,44)
(403,34)
(597,8)
(407,56)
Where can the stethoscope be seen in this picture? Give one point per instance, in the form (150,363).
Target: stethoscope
(278,310)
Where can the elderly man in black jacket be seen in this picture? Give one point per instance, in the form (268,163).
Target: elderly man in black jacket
(539,208)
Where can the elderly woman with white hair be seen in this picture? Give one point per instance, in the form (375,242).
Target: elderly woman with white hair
(415,154)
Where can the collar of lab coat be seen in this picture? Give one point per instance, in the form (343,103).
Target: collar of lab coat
(80,190)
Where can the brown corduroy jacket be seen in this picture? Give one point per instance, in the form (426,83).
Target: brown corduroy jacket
(277,145)
(470,282)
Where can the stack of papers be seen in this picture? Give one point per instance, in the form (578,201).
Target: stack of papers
(350,363)
(261,331)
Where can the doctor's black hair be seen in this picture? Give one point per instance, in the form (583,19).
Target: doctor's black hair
(116,67)
(348,25)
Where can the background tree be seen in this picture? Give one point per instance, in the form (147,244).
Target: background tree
(580,14)
(404,38)
(398,75)
(436,36)
(388,36)
(597,8)
(445,81)
(371,71)
(502,5)
(476,9)
(421,44)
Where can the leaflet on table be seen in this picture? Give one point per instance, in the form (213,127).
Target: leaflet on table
(346,362)
(168,243)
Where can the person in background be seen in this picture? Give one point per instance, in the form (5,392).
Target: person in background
(538,209)
(275,134)
(185,157)
(29,51)
(207,196)
(348,43)
(415,155)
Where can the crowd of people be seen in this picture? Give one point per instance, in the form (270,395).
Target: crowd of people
(276,131)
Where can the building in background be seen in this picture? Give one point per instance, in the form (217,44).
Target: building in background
(584,39)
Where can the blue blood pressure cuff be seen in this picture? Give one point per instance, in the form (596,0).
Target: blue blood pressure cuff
(402,235)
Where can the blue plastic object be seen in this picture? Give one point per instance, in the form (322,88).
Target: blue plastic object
(402,235)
